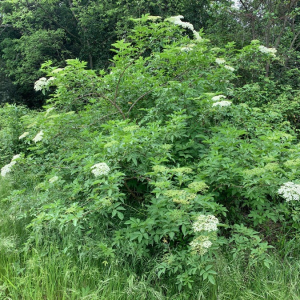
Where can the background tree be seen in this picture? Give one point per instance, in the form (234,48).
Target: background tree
(57,30)
(275,23)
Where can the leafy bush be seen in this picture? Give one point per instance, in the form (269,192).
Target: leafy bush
(155,159)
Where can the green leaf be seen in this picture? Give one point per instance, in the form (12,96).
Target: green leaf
(183,228)
(120,215)
(211,279)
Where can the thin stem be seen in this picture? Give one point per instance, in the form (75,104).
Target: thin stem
(106,98)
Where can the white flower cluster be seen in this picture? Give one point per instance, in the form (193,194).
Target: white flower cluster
(200,244)
(290,191)
(22,136)
(41,83)
(7,168)
(222,103)
(38,137)
(206,223)
(220,61)
(218,98)
(271,51)
(188,48)
(206,244)
(229,68)
(15,157)
(177,21)
(197,36)
(100,169)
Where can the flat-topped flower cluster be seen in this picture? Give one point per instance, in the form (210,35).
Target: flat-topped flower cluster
(207,225)
(222,103)
(222,61)
(271,51)
(290,191)
(201,244)
(41,83)
(100,169)
(7,168)
(38,137)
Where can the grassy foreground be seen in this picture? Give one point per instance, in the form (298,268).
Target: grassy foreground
(48,273)
(38,276)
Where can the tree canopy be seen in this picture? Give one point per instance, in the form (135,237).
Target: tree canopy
(35,31)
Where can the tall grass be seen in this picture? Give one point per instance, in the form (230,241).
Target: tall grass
(50,274)
(47,273)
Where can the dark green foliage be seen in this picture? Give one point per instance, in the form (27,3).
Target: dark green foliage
(36,31)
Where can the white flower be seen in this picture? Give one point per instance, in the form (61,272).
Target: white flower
(229,68)
(38,137)
(12,163)
(100,169)
(220,61)
(200,244)
(206,244)
(271,51)
(40,84)
(197,36)
(290,191)
(186,49)
(23,135)
(218,98)
(15,157)
(177,21)
(206,223)
(7,168)
(53,179)
(222,103)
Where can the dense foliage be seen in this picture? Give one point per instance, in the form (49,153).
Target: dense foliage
(178,153)
(34,31)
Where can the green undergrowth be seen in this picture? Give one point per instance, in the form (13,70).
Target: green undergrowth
(55,276)
(46,272)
